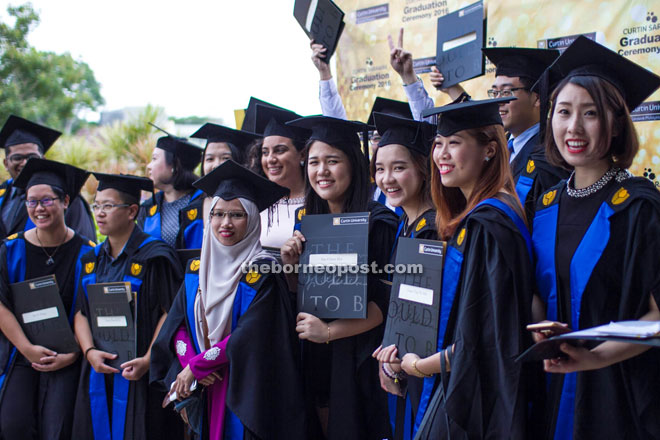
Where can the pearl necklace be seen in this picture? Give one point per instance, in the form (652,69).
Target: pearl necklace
(617,173)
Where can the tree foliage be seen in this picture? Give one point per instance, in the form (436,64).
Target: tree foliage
(41,86)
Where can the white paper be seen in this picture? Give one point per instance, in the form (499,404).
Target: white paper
(173,396)
(333,259)
(628,329)
(311,12)
(458,42)
(111,321)
(40,315)
(416,294)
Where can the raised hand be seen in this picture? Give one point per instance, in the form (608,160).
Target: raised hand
(401,61)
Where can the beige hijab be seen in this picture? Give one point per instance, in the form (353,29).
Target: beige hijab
(219,273)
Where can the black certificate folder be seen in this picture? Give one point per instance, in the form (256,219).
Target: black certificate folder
(113,326)
(321,20)
(412,315)
(38,308)
(461,35)
(332,277)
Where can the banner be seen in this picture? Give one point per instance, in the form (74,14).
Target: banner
(631,28)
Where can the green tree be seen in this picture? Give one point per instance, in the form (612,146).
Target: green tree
(41,86)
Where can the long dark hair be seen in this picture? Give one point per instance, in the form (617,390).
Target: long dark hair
(182,178)
(356,198)
(450,203)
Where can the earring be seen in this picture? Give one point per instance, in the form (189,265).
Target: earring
(172,170)
(487,159)
(302,163)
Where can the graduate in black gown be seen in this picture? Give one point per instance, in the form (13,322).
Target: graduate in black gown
(232,329)
(516,70)
(112,403)
(344,397)
(38,385)
(400,166)
(23,139)
(596,240)
(174,213)
(480,391)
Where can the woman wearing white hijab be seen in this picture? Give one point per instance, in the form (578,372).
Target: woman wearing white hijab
(232,329)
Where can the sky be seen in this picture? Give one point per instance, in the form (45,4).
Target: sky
(198,57)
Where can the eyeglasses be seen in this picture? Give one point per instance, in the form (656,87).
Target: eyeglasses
(45,202)
(108,206)
(233,215)
(18,158)
(505,93)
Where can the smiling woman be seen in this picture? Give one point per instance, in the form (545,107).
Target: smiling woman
(486,282)
(595,240)
(343,391)
(36,376)
(281,162)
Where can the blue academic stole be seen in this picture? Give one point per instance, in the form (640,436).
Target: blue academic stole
(16,271)
(193,232)
(584,260)
(97,393)
(451,274)
(233,428)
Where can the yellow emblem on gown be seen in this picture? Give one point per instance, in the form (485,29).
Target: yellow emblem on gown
(89,267)
(3,191)
(420,225)
(461,237)
(136,269)
(192,214)
(194,265)
(12,236)
(549,197)
(153,210)
(620,196)
(252,277)
(301,212)
(530,166)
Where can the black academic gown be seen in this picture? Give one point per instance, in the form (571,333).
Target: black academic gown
(533,175)
(615,272)
(265,386)
(342,374)
(486,390)
(159,269)
(37,405)
(78,216)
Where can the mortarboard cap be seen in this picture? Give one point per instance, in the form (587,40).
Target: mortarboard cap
(48,172)
(520,61)
(250,119)
(585,57)
(230,181)
(271,121)
(414,135)
(467,114)
(219,133)
(332,131)
(131,185)
(390,107)
(18,131)
(189,154)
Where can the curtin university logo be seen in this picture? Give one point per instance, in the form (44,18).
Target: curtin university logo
(373,13)
(428,249)
(341,221)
